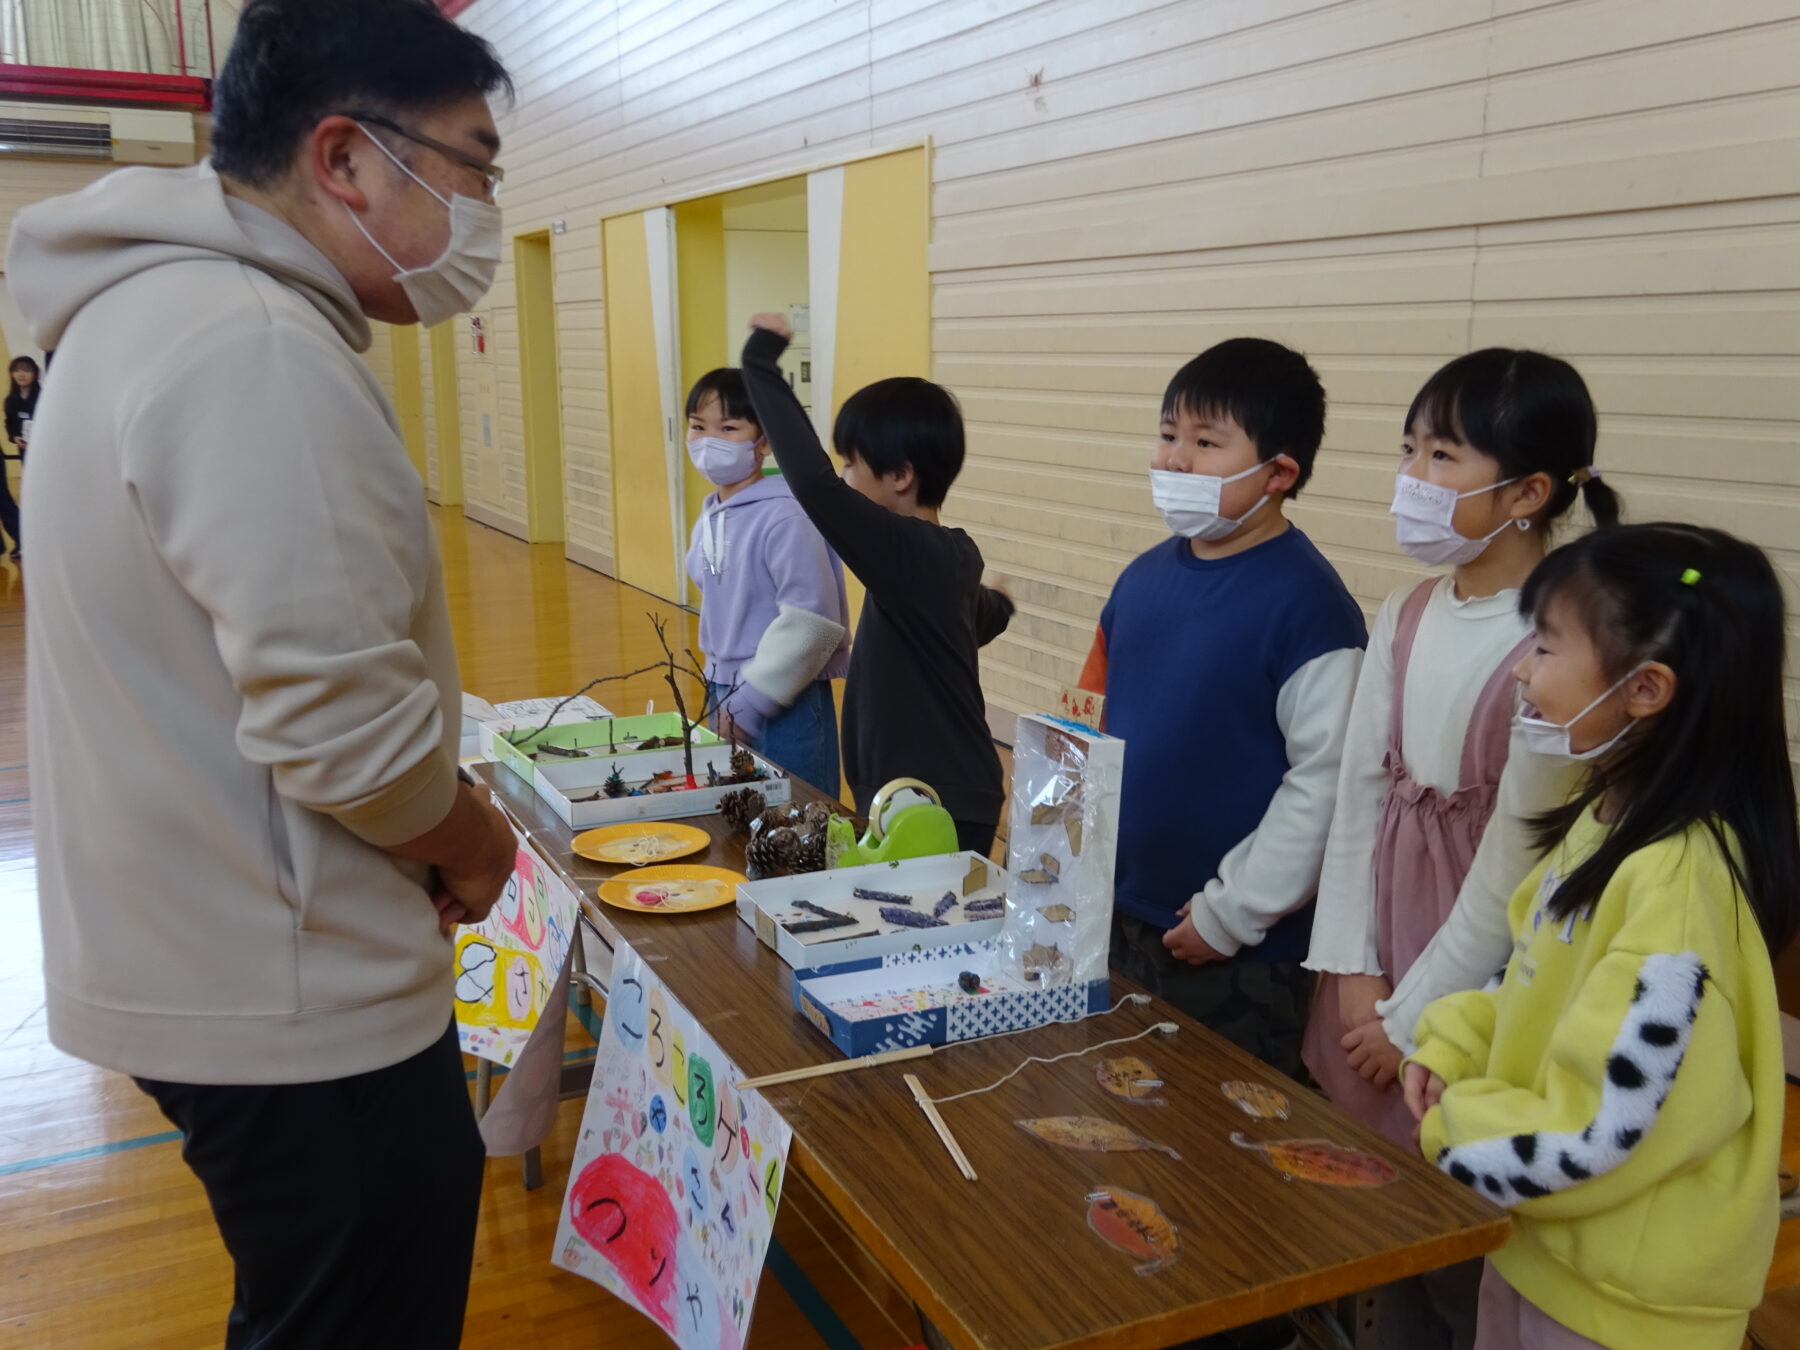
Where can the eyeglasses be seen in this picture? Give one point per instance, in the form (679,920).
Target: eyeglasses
(492,174)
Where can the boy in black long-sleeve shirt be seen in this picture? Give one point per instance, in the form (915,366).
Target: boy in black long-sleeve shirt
(913,706)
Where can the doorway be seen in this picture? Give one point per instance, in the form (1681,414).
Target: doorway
(540,395)
(681,285)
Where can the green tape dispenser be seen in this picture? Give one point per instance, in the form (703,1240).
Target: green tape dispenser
(913,829)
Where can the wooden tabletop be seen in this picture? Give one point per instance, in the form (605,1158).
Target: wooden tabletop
(1009,1262)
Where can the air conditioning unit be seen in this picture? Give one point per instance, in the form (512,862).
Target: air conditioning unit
(122,135)
(150,136)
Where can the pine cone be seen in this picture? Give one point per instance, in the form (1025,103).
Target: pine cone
(741,807)
(784,815)
(815,817)
(786,845)
(743,764)
(811,856)
(763,856)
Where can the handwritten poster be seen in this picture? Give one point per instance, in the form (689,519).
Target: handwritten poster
(677,1176)
(506,964)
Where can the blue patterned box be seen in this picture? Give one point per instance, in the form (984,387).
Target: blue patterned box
(913,998)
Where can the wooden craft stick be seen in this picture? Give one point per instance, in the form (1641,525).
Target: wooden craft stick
(841,1066)
(929,1107)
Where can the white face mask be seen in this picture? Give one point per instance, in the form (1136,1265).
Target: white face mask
(723,462)
(1189,502)
(1422,513)
(455,283)
(1553,739)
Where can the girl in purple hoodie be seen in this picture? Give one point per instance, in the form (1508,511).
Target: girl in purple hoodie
(774,619)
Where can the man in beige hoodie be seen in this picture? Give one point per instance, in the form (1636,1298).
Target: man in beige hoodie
(243,697)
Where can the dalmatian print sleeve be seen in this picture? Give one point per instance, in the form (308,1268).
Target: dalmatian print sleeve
(1639,1073)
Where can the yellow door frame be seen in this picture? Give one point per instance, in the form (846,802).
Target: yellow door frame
(409,392)
(640,404)
(540,393)
(446,402)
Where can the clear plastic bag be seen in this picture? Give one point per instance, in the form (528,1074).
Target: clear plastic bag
(1062,842)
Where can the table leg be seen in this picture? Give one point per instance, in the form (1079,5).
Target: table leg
(928,1332)
(484,1082)
(534,1169)
(578,969)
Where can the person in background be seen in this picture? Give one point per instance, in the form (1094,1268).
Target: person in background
(240,662)
(773,613)
(21,408)
(1621,1092)
(913,706)
(1498,445)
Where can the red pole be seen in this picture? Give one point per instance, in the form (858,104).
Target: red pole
(180,38)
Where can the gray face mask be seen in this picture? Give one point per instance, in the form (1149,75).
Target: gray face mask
(455,283)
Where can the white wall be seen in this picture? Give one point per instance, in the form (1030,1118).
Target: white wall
(1119,183)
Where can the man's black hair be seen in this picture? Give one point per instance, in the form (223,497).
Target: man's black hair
(295,62)
(1267,389)
(892,424)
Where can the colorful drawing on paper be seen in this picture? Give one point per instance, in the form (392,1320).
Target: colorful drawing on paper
(506,965)
(1135,1225)
(1322,1161)
(677,1176)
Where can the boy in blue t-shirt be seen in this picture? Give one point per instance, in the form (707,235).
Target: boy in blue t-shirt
(1228,655)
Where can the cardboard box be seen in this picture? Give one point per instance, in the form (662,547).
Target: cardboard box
(768,907)
(910,999)
(558,784)
(598,737)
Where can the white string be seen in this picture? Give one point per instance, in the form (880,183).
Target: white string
(1164,1028)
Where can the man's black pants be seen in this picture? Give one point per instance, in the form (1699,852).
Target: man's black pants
(348,1206)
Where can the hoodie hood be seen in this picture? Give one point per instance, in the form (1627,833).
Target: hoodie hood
(68,250)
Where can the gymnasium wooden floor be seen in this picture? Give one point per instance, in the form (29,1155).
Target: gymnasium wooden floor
(106,1242)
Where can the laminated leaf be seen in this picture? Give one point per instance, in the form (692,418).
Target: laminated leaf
(1072,826)
(1090,1134)
(1257,1099)
(1136,1226)
(1046,815)
(1037,876)
(1130,1079)
(1056,913)
(1052,864)
(1322,1161)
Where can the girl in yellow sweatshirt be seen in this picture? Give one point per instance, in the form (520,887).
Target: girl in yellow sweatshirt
(1621,1091)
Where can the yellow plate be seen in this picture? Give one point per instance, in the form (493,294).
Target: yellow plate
(676,890)
(640,842)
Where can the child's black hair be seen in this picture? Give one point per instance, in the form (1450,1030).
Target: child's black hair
(727,385)
(24,363)
(1709,606)
(892,424)
(1267,389)
(1530,413)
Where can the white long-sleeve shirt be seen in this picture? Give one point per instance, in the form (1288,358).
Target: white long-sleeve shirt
(1458,645)
(1274,870)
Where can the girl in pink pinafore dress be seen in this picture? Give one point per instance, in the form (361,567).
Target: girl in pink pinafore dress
(1428,840)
